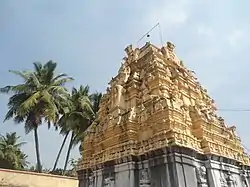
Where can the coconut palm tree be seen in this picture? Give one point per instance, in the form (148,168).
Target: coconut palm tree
(95,102)
(66,120)
(11,156)
(41,97)
(95,99)
(77,117)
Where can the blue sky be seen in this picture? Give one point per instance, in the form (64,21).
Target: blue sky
(87,39)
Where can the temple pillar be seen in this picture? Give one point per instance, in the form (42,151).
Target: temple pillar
(98,178)
(182,170)
(125,175)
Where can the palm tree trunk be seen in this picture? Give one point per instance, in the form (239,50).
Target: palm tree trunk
(39,165)
(68,153)
(60,151)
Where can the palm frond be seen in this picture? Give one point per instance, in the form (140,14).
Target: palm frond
(9,114)
(30,103)
(11,156)
(49,69)
(23,74)
(19,119)
(63,81)
(28,128)
(38,67)
(61,76)
(84,90)
(34,80)
(96,100)
(85,104)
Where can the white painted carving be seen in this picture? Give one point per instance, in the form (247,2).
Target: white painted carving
(91,181)
(201,176)
(119,95)
(231,181)
(244,179)
(132,113)
(136,75)
(223,182)
(144,177)
(125,72)
(119,120)
(108,182)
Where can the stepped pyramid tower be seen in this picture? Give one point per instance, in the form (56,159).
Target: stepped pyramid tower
(158,127)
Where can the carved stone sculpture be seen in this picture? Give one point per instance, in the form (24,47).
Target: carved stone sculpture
(185,110)
(142,74)
(91,181)
(132,55)
(143,115)
(124,73)
(108,182)
(223,182)
(233,132)
(118,120)
(245,182)
(201,174)
(190,74)
(150,77)
(178,102)
(230,179)
(144,177)
(132,113)
(174,90)
(136,75)
(158,106)
(129,50)
(119,90)
(145,90)
(168,72)
(169,53)
(136,54)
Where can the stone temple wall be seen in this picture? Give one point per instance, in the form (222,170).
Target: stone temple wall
(172,167)
(16,178)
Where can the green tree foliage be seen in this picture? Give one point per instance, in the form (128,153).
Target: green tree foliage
(11,156)
(77,119)
(40,97)
(81,114)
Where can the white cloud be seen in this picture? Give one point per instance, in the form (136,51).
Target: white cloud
(236,37)
(170,14)
(206,31)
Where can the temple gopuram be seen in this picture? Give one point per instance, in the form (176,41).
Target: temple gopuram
(158,127)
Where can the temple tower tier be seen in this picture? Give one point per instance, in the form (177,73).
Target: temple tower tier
(157,126)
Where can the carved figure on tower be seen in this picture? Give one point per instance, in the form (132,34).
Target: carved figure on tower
(169,53)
